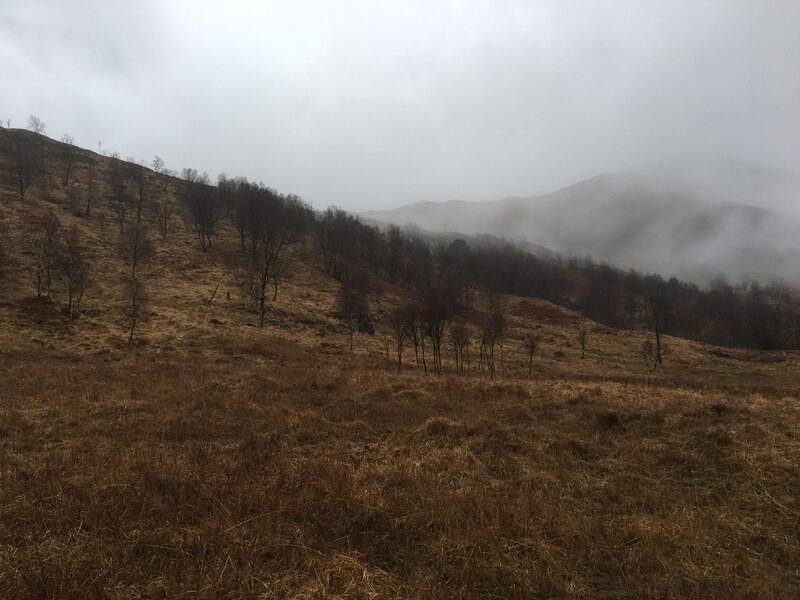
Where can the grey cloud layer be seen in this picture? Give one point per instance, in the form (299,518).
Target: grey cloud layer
(376,104)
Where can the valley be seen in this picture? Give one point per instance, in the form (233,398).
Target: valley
(210,457)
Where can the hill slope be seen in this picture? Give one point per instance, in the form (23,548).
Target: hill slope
(211,458)
(196,304)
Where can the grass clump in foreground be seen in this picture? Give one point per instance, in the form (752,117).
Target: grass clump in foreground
(143,476)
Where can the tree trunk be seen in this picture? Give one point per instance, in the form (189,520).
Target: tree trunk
(658,346)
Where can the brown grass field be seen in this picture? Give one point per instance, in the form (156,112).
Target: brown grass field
(278,476)
(213,459)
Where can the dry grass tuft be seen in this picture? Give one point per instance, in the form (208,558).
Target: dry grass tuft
(440,426)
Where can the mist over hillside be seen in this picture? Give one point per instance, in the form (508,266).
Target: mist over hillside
(694,219)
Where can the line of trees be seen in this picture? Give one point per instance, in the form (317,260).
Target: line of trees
(425,322)
(751,314)
(431,321)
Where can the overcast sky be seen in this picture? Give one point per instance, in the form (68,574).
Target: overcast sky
(374,104)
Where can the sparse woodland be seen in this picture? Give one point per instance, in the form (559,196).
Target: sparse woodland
(214,390)
(268,226)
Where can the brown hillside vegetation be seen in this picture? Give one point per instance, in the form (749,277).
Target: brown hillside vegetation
(212,458)
(145,476)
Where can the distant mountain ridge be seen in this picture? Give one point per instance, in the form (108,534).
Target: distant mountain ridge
(693,220)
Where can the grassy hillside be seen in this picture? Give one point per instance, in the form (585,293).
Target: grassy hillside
(212,458)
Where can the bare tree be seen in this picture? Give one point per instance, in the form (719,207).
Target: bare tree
(49,183)
(657,313)
(652,357)
(158,164)
(415,328)
(459,338)
(583,338)
(120,205)
(281,267)
(121,199)
(285,223)
(397,324)
(36,125)
(253,277)
(530,343)
(75,268)
(165,209)
(352,302)
(492,334)
(498,322)
(201,199)
(488,341)
(139,173)
(45,239)
(69,155)
(267,262)
(28,162)
(437,315)
(164,203)
(245,199)
(338,242)
(135,247)
(137,301)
